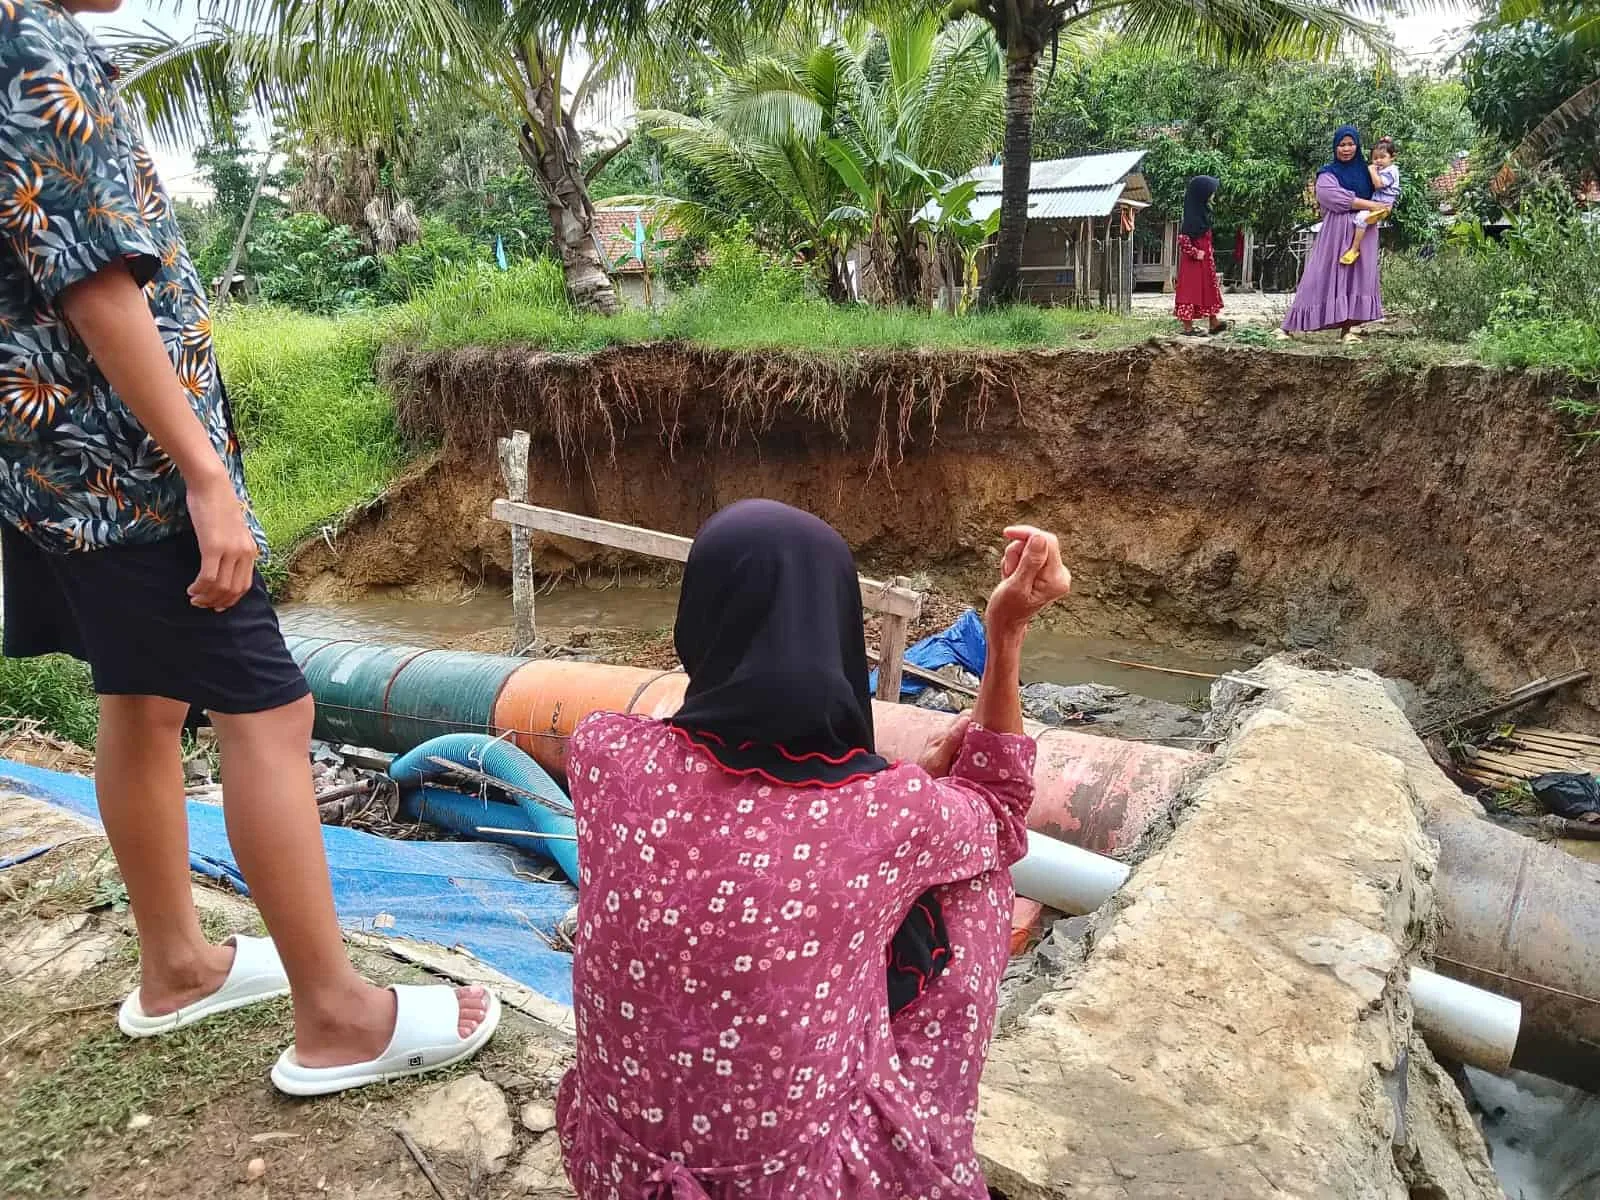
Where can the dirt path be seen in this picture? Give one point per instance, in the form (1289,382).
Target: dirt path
(84,1111)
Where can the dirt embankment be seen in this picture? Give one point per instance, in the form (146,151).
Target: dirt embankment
(1437,525)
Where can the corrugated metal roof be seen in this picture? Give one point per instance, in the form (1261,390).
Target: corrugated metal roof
(1062,188)
(1056,174)
(1048,206)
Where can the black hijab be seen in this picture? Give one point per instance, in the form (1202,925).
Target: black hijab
(770,631)
(1197,205)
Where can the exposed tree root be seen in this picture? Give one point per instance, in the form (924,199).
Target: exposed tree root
(583,405)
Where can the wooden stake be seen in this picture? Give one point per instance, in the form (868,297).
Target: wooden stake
(514,472)
(1123,662)
(891,657)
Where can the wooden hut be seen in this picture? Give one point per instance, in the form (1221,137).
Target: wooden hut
(1079,247)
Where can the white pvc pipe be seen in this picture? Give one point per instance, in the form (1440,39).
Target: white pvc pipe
(1067,878)
(1457,1020)
(1465,1023)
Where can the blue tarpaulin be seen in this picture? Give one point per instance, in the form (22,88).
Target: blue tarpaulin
(449,893)
(963,644)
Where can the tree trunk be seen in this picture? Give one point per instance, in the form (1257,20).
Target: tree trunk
(550,147)
(1004,283)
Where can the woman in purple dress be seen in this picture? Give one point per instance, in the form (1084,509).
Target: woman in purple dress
(1331,294)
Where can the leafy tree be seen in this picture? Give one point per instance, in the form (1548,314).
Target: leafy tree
(822,147)
(356,70)
(1262,133)
(1223,29)
(1534,86)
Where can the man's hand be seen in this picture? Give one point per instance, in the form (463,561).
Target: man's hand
(940,753)
(227,549)
(1031,577)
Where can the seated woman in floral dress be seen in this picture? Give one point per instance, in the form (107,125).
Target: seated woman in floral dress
(746,867)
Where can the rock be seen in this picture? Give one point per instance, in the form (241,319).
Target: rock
(1057,704)
(538,1118)
(1115,713)
(540,1173)
(937,701)
(255,1169)
(139,1121)
(580,635)
(61,949)
(466,1120)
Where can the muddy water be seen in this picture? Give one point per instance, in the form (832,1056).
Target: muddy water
(1052,655)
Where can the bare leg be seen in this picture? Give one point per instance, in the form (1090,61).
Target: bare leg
(1188,326)
(272,823)
(139,784)
(1352,254)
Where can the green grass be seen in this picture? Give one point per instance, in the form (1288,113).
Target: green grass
(53,691)
(106,1080)
(527,306)
(319,434)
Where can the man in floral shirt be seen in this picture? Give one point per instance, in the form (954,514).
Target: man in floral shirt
(127,540)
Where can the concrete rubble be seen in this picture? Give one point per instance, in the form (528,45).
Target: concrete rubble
(1240,1027)
(467,1121)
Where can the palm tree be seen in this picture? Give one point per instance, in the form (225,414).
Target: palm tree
(351,70)
(820,147)
(1571,19)
(1027,29)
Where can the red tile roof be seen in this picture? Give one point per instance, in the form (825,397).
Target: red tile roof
(1447,183)
(613,227)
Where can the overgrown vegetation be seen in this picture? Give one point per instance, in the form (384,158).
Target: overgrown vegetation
(319,434)
(1525,299)
(745,300)
(53,692)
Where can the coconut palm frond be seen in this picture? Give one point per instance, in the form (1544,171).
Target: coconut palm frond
(1242,29)
(1541,141)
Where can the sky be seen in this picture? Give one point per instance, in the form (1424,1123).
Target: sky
(1422,39)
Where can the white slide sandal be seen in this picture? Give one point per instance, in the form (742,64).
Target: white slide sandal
(425,1039)
(256,975)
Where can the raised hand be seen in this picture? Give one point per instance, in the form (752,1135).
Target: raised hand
(1032,577)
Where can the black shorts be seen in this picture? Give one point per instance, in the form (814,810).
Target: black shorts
(125,611)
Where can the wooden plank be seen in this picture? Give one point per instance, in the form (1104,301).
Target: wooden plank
(1555,735)
(1533,764)
(892,651)
(514,471)
(879,597)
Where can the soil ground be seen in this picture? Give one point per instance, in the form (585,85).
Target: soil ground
(85,1111)
(1421,522)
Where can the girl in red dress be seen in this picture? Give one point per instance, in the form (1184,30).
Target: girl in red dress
(1199,294)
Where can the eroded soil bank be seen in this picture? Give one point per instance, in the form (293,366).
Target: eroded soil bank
(1435,525)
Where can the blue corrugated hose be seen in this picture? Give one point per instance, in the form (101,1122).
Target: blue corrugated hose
(464,814)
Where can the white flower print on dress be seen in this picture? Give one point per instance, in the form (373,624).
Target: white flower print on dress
(803,1043)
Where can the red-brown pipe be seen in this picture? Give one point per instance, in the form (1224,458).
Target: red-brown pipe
(1095,792)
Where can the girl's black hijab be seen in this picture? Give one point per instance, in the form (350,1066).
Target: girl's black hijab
(1197,205)
(1352,175)
(770,631)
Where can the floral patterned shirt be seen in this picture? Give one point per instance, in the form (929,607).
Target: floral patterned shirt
(78,191)
(729,985)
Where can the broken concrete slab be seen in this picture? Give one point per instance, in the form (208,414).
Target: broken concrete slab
(1241,1028)
(466,1121)
(539,1172)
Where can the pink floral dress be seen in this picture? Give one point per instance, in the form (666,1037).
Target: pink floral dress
(734,1037)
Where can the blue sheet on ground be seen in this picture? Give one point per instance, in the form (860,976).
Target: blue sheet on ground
(963,644)
(450,893)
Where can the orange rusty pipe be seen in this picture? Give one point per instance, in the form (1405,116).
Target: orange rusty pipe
(1095,792)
